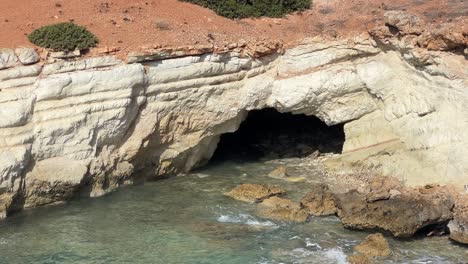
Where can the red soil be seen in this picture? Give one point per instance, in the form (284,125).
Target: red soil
(130,24)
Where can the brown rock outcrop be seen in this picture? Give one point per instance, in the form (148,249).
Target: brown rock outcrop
(404,22)
(282,209)
(447,37)
(359,259)
(374,245)
(459,225)
(319,201)
(254,193)
(402,215)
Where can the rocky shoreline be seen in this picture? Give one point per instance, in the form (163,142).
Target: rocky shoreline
(383,204)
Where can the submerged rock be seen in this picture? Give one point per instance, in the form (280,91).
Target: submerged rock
(282,209)
(374,245)
(359,259)
(459,225)
(279,173)
(254,193)
(402,215)
(319,201)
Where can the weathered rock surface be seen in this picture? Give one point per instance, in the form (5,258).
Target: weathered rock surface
(282,209)
(459,225)
(8,59)
(402,215)
(374,245)
(359,259)
(319,201)
(402,21)
(27,55)
(405,110)
(254,193)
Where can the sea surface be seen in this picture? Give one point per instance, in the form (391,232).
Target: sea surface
(187,219)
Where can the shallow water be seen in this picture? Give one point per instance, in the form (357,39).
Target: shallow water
(186,219)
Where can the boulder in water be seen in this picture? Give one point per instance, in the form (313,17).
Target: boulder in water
(359,259)
(279,173)
(319,201)
(374,245)
(282,209)
(459,225)
(254,193)
(402,215)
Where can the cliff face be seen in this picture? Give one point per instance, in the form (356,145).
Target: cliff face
(95,124)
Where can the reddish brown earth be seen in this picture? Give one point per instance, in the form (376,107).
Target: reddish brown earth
(130,24)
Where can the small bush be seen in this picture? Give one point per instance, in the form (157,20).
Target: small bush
(253,8)
(63,37)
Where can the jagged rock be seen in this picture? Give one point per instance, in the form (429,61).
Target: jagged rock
(282,209)
(27,55)
(8,58)
(404,22)
(382,188)
(279,173)
(254,193)
(402,215)
(359,259)
(459,225)
(446,37)
(374,245)
(319,201)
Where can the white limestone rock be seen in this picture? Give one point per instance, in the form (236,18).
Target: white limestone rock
(27,56)
(8,59)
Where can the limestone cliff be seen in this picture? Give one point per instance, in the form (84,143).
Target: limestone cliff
(95,124)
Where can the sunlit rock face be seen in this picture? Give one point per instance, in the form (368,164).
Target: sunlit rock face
(95,124)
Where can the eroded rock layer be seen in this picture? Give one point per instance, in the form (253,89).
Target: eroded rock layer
(94,124)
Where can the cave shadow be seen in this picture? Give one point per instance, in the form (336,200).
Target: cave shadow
(268,134)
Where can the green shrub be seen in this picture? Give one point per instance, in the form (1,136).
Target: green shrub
(253,8)
(63,37)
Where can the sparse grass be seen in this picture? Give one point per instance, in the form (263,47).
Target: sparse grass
(63,37)
(253,8)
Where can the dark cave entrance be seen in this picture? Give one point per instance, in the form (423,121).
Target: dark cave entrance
(268,134)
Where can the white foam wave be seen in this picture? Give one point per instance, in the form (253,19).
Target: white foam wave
(336,254)
(244,219)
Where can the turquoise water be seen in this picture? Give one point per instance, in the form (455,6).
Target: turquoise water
(186,219)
